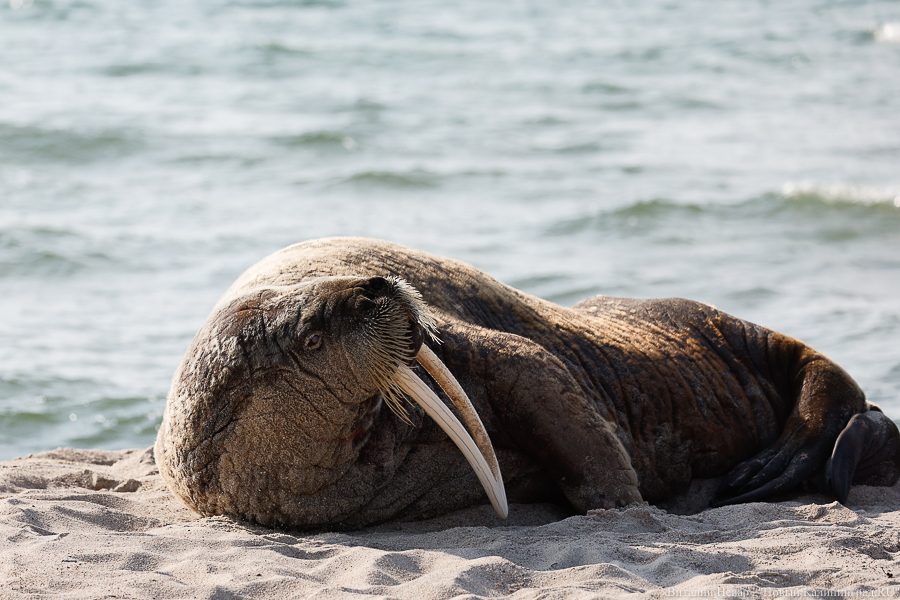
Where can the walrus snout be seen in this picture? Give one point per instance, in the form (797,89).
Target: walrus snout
(376,292)
(377,286)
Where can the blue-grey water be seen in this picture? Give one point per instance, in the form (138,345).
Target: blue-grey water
(743,153)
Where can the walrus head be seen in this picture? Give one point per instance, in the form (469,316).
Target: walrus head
(279,394)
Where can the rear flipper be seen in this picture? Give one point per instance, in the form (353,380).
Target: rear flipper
(827,399)
(777,470)
(866,453)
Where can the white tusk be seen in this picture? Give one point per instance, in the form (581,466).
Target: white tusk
(457,395)
(489,477)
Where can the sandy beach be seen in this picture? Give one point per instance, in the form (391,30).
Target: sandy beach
(100,524)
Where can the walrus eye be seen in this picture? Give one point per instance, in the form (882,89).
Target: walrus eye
(313,341)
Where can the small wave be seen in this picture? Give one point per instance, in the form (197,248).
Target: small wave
(695,103)
(837,212)
(42,251)
(363,105)
(838,193)
(70,413)
(571,148)
(653,208)
(888,33)
(62,145)
(129,69)
(39,264)
(128,423)
(624,106)
(275,47)
(410,179)
(823,210)
(257,4)
(318,138)
(606,88)
(625,218)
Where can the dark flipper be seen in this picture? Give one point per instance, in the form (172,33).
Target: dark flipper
(827,398)
(777,470)
(867,452)
(544,413)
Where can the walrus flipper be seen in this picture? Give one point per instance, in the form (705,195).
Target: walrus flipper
(775,471)
(866,453)
(545,414)
(826,401)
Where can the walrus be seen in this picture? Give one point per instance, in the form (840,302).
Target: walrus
(291,407)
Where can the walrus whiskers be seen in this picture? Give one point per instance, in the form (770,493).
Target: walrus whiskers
(389,324)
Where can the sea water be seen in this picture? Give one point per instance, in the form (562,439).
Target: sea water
(743,153)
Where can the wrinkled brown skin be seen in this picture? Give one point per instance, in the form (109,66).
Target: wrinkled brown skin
(609,402)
